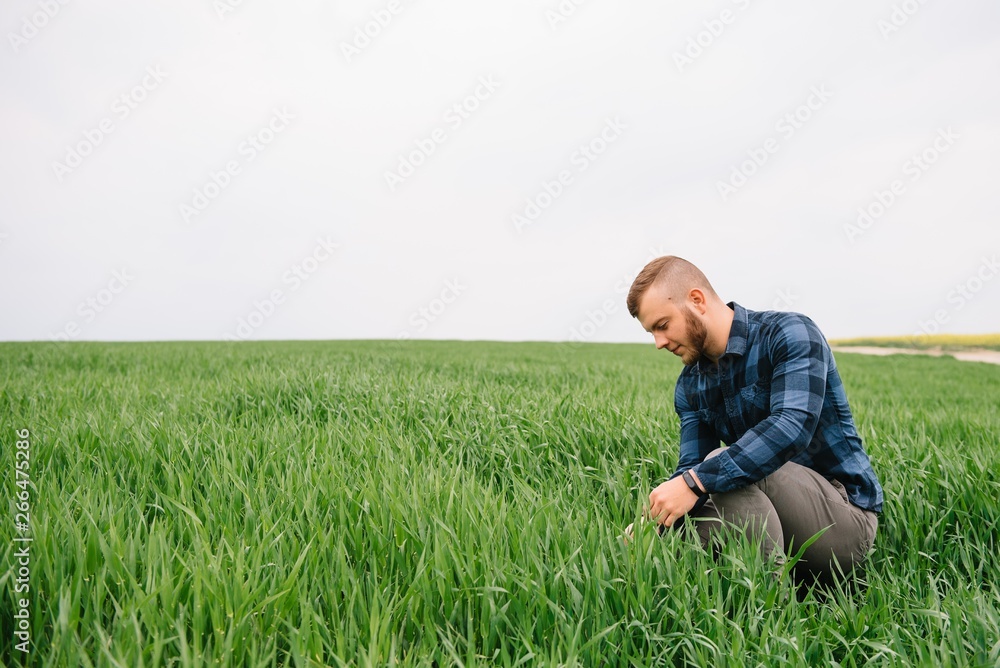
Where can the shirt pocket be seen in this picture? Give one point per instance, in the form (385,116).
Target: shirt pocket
(756,400)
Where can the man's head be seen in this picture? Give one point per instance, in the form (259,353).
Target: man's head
(674,301)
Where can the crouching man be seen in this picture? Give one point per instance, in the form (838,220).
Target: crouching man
(764,383)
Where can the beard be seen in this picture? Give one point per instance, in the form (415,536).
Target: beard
(697,333)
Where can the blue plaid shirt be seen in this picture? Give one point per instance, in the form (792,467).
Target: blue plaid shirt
(775,396)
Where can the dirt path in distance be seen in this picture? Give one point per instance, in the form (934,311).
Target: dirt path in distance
(977,355)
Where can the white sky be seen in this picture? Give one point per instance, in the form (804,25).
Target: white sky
(445,233)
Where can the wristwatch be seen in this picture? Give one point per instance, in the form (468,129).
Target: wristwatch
(689,479)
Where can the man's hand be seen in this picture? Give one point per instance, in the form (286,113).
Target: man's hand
(671,501)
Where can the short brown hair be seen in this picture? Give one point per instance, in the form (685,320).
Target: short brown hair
(680,275)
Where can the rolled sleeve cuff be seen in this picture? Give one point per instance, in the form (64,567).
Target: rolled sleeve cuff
(718,473)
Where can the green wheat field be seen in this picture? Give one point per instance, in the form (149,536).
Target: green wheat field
(456,503)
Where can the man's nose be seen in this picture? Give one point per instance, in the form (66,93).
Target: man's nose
(661,341)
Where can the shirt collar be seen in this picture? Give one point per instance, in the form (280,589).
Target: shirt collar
(737,343)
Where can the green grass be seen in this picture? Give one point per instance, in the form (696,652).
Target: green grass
(928,341)
(443,503)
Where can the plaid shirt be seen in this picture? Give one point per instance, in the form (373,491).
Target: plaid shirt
(775,396)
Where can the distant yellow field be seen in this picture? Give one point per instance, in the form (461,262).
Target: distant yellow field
(923,342)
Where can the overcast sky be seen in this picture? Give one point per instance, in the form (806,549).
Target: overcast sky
(456,169)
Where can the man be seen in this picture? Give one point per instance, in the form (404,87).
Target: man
(766,384)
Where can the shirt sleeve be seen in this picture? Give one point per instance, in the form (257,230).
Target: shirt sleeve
(798,354)
(697,438)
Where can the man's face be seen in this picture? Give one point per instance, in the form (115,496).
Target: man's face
(678,329)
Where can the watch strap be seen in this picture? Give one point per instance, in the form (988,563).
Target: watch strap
(689,479)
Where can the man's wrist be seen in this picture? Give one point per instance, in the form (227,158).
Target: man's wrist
(693,484)
(694,474)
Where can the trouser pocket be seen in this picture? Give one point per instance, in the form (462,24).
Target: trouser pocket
(837,485)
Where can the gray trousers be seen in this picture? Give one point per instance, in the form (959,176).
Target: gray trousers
(787,508)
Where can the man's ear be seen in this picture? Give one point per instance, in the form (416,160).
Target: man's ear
(698,301)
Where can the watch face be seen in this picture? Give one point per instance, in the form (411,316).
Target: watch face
(692,484)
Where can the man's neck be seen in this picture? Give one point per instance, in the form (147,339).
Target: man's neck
(718,333)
